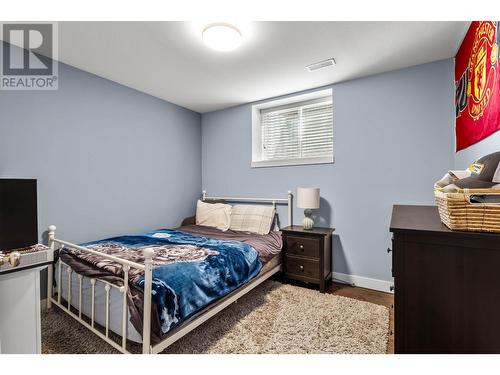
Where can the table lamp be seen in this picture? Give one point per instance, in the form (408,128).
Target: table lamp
(308,199)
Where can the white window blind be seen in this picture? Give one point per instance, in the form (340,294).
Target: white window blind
(297,133)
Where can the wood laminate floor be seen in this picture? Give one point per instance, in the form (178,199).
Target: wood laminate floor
(373,296)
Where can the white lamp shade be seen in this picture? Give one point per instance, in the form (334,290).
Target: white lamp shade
(308,197)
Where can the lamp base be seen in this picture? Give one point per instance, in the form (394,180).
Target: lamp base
(307,222)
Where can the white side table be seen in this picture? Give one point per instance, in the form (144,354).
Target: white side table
(20,330)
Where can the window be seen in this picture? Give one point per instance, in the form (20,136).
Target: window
(293,131)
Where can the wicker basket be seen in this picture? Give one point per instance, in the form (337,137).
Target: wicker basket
(457,213)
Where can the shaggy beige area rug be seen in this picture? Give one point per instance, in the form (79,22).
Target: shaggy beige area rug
(273,318)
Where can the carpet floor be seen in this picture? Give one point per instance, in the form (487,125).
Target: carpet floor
(273,318)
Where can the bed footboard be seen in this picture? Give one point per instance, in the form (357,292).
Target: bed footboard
(147,267)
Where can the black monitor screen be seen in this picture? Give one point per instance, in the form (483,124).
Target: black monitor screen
(18,213)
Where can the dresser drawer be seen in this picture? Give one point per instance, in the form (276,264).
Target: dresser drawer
(303,246)
(302,267)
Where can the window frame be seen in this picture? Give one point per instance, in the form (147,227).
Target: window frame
(289,101)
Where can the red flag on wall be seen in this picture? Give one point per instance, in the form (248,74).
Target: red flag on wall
(477,84)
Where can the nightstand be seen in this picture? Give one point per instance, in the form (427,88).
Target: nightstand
(20,331)
(307,254)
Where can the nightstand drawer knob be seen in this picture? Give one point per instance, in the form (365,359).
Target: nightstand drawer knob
(301,268)
(301,247)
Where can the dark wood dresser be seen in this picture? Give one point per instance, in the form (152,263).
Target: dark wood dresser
(447,285)
(307,255)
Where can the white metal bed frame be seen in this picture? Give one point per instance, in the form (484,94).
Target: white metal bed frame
(147,267)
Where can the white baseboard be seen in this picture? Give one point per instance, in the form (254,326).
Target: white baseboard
(364,282)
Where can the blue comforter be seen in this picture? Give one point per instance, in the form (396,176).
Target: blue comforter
(189,271)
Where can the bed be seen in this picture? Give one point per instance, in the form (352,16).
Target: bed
(181,276)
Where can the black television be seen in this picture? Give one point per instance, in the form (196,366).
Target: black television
(18,213)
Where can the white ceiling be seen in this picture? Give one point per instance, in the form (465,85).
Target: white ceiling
(169,61)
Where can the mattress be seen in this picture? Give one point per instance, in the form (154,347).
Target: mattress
(115,303)
(271,259)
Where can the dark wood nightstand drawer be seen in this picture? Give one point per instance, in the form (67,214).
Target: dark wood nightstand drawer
(303,267)
(303,246)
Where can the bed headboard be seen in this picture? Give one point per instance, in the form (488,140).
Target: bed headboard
(274,201)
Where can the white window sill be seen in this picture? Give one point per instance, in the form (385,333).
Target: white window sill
(291,162)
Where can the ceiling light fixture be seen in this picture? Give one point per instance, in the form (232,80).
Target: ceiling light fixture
(221,37)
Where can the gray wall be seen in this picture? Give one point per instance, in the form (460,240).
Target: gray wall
(488,145)
(393,138)
(109,160)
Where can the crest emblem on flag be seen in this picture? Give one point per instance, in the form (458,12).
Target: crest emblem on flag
(481,69)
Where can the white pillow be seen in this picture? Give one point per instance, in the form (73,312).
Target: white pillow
(252,218)
(217,215)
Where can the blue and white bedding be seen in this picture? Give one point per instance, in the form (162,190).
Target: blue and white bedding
(189,271)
